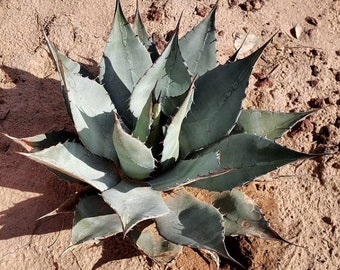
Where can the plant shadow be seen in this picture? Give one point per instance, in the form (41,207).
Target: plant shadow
(29,106)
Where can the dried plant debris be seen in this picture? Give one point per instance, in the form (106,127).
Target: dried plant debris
(252,5)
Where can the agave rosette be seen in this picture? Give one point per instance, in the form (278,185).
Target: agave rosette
(153,123)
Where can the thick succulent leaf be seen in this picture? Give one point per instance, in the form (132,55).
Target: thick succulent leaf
(193,223)
(156,135)
(155,246)
(124,61)
(92,112)
(135,203)
(171,141)
(252,156)
(62,60)
(139,29)
(242,216)
(170,105)
(198,47)
(143,124)
(94,219)
(188,171)
(168,75)
(74,160)
(71,65)
(42,141)
(217,103)
(134,156)
(271,125)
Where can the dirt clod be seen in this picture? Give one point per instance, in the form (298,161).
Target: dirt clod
(337,122)
(154,13)
(314,52)
(233,3)
(313,83)
(252,5)
(327,220)
(322,136)
(337,76)
(316,103)
(201,11)
(315,70)
(159,40)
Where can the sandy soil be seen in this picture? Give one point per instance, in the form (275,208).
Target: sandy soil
(301,200)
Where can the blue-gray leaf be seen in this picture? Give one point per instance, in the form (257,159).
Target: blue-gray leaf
(252,156)
(135,203)
(73,160)
(125,60)
(242,216)
(217,103)
(186,224)
(94,219)
(198,47)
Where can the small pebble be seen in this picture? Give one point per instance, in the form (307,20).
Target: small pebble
(315,70)
(311,21)
(337,76)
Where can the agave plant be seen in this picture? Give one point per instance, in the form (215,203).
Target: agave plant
(149,126)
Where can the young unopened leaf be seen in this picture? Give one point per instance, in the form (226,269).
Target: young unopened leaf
(139,29)
(125,60)
(168,73)
(135,158)
(171,141)
(156,135)
(144,121)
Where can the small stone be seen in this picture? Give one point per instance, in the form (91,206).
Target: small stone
(313,83)
(246,6)
(311,21)
(233,3)
(327,220)
(315,70)
(314,52)
(337,123)
(201,11)
(297,31)
(337,76)
(337,52)
(154,13)
(257,5)
(316,103)
(4,113)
